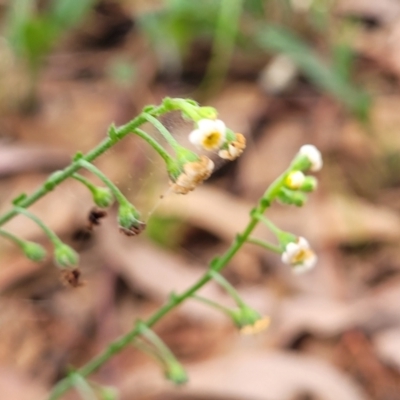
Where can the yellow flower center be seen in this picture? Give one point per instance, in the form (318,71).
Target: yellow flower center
(212,140)
(301,256)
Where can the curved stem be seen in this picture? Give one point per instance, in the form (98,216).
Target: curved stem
(18,241)
(211,303)
(95,171)
(154,144)
(80,178)
(228,287)
(50,234)
(163,350)
(164,131)
(266,245)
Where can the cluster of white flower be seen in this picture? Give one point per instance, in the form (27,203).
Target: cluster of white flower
(298,254)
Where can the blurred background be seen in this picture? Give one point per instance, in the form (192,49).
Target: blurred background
(282,72)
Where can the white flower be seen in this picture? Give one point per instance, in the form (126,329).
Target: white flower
(313,155)
(194,173)
(210,134)
(299,255)
(295,179)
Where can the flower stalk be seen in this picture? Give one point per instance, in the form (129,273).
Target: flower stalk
(33,251)
(64,255)
(173,369)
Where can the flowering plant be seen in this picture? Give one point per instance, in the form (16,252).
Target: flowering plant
(186,170)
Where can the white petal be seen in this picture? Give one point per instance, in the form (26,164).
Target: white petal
(307,265)
(303,243)
(292,249)
(220,126)
(206,125)
(285,258)
(195,137)
(314,156)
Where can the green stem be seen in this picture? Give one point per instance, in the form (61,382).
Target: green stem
(165,353)
(155,145)
(19,242)
(213,304)
(85,181)
(50,234)
(217,277)
(55,179)
(95,171)
(82,387)
(272,227)
(164,131)
(119,344)
(141,345)
(265,245)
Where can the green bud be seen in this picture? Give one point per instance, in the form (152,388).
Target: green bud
(65,256)
(249,321)
(103,197)
(33,251)
(207,113)
(185,155)
(174,169)
(299,199)
(310,184)
(128,219)
(175,372)
(301,163)
(230,136)
(288,196)
(245,316)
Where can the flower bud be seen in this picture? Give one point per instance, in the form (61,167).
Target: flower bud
(312,157)
(288,196)
(208,112)
(65,256)
(128,219)
(33,251)
(175,372)
(295,180)
(249,321)
(103,197)
(245,316)
(310,184)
